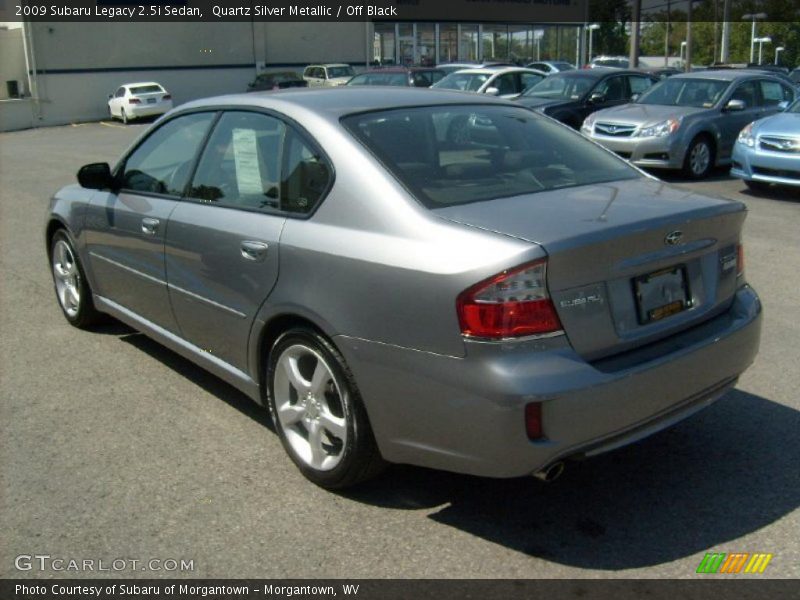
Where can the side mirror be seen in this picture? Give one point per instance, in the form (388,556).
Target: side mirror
(735,105)
(783,105)
(95,176)
(493,91)
(110,96)
(635,97)
(597,98)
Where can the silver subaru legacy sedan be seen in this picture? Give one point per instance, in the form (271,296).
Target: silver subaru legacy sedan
(408,276)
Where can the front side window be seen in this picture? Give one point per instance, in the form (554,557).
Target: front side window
(528,80)
(640,84)
(449,155)
(613,89)
(336,72)
(162,163)
(506,84)
(747,92)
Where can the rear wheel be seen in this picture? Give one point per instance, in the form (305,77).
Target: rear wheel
(699,158)
(124,116)
(72,290)
(318,412)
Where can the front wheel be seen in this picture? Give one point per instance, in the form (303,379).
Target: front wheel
(699,158)
(318,412)
(72,290)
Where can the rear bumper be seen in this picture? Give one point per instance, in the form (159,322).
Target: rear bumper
(467,414)
(148,110)
(656,153)
(770,167)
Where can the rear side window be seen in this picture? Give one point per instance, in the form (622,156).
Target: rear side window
(240,166)
(449,155)
(640,84)
(257,162)
(162,163)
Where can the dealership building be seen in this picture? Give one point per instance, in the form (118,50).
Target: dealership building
(62,72)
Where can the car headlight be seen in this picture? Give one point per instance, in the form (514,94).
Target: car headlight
(588,124)
(746,136)
(661,129)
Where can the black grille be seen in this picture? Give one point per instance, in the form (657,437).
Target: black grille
(780,144)
(614,129)
(785,173)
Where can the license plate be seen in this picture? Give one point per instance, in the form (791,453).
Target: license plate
(661,294)
(151,100)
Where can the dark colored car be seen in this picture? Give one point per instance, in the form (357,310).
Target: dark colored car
(399,76)
(661,72)
(572,96)
(276,81)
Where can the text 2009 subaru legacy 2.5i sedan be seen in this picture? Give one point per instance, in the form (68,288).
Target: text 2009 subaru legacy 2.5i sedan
(414,277)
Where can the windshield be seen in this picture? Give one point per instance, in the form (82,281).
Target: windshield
(562,87)
(450,155)
(794,108)
(466,82)
(682,91)
(611,62)
(334,72)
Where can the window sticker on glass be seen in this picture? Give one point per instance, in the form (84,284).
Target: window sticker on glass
(245,153)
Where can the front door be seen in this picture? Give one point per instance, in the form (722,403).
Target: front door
(222,242)
(125,228)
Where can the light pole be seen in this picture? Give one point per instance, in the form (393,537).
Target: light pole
(683,45)
(761,41)
(591,28)
(778,50)
(755,17)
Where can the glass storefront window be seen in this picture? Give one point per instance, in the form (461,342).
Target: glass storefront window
(468,44)
(495,42)
(384,44)
(521,43)
(405,44)
(426,45)
(448,43)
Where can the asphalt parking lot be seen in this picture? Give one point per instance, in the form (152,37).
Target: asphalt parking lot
(114,447)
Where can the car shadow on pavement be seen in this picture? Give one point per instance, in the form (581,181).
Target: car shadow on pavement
(210,383)
(727,472)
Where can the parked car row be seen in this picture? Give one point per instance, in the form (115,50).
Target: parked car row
(654,118)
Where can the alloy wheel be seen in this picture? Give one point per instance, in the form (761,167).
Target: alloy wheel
(700,158)
(310,406)
(67,278)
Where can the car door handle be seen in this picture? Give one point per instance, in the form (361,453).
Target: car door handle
(150,225)
(255,251)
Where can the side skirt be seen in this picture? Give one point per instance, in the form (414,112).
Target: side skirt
(230,374)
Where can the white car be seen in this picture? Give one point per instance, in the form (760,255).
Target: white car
(331,75)
(551,66)
(506,82)
(136,100)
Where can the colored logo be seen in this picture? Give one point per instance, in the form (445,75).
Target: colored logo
(734,563)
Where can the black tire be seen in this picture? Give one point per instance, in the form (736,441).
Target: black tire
(83,314)
(123,116)
(756,186)
(689,167)
(358,457)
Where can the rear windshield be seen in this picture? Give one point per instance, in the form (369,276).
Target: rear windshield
(147,89)
(380,79)
(681,91)
(450,155)
(466,82)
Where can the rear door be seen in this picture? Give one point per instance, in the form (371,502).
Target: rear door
(125,228)
(222,251)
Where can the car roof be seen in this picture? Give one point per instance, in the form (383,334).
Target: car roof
(495,70)
(334,103)
(398,69)
(142,83)
(329,65)
(596,73)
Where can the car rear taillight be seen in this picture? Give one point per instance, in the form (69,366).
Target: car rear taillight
(533,420)
(167,97)
(740,260)
(134,101)
(513,303)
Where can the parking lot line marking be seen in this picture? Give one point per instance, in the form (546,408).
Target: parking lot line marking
(111,125)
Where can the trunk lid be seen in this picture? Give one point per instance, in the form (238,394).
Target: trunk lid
(613,275)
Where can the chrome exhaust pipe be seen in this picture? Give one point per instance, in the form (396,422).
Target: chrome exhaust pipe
(550,473)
